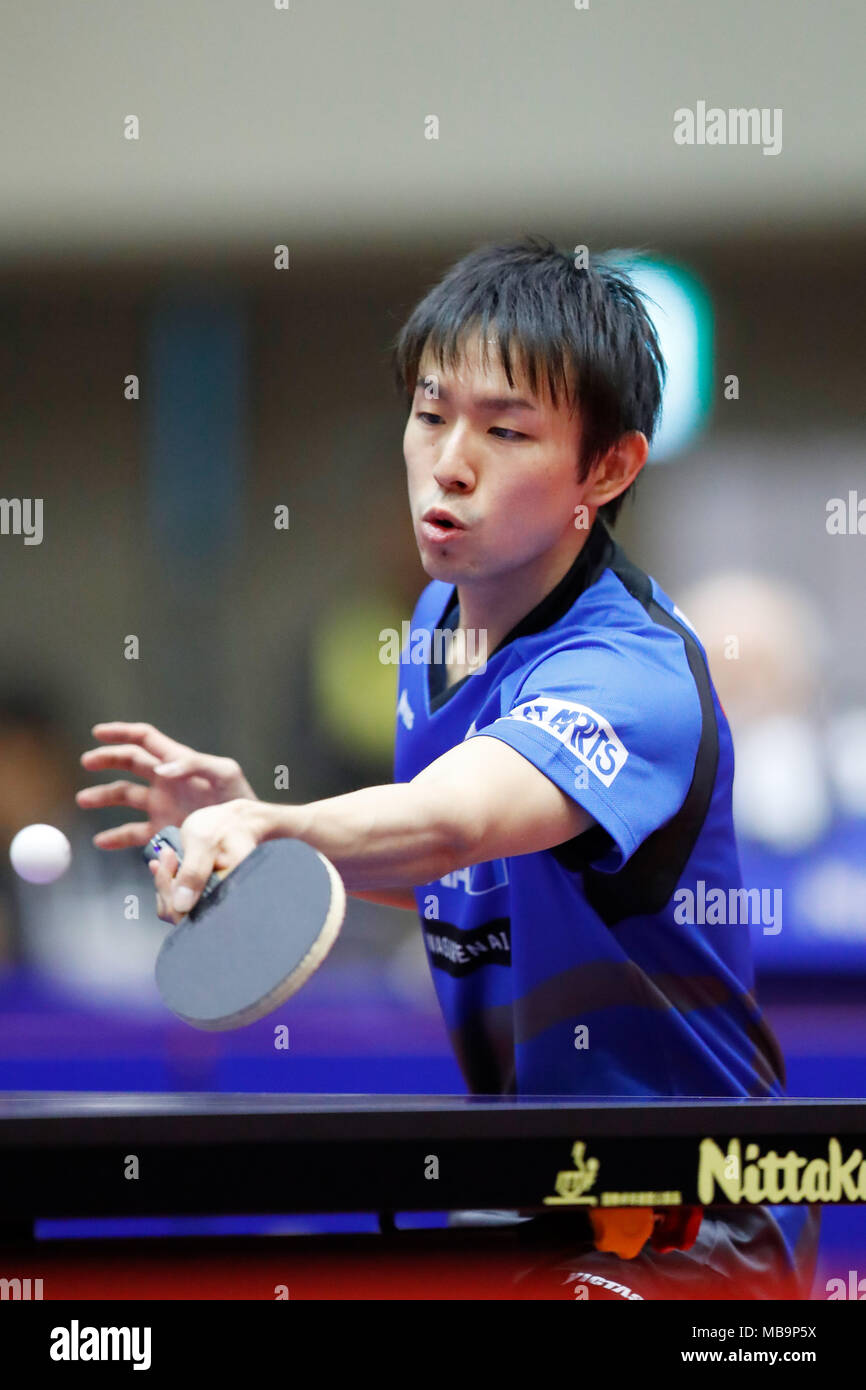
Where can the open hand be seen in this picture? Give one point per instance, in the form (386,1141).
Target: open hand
(177,781)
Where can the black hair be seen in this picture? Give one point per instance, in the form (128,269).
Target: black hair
(584,331)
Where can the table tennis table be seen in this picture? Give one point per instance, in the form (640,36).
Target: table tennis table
(70,1154)
(96,1155)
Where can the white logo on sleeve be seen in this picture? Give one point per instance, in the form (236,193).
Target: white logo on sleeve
(405,711)
(579,729)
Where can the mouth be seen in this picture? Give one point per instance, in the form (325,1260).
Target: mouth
(442,521)
(441,528)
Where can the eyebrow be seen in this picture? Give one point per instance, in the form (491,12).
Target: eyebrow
(489,403)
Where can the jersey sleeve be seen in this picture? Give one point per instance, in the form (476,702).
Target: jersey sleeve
(616,727)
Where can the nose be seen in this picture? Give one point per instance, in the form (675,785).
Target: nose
(453,470)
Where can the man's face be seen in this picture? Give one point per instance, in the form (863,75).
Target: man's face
(503,462)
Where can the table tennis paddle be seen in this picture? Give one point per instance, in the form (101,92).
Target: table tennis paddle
(255,936)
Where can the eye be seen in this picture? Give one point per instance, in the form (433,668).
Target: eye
(428,417)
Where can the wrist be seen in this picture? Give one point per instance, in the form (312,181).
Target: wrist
(244,791)
(271,822)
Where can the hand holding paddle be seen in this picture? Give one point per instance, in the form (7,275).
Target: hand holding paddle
(265,916)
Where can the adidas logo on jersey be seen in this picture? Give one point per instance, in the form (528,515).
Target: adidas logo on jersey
(405,711)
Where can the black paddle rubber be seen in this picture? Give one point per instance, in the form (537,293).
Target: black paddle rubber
(254,937)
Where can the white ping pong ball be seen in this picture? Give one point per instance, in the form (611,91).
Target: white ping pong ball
(40,853)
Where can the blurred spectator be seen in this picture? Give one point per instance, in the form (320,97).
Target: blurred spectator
(800,779)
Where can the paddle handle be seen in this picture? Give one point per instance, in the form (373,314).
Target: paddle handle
(169,837)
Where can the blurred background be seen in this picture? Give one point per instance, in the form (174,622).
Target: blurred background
(164,388)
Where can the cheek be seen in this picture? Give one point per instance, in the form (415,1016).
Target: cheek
(413,479)
(533,501)
(411,452)
(418,462)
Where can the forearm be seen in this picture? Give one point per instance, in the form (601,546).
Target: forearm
(392,836)
(387,897)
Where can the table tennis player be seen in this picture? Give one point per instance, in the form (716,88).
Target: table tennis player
(560,799)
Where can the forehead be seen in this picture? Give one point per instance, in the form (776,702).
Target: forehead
(477,366)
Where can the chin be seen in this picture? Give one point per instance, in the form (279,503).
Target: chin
(439,567)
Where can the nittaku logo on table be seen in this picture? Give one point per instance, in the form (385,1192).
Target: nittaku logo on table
(718,907)
(774,1177)
(77,1343)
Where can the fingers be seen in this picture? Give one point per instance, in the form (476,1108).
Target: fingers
(205,850)
(124,731)
(126,757)
(199,857)
(178,767)
(211,770)
(133,835)
(130,794)
(163,870)
(160,901)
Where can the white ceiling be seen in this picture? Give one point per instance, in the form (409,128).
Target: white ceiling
(307,125)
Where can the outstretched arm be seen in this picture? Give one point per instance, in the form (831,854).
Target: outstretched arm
(481,800)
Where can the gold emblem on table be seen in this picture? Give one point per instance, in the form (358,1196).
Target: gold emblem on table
(572,1184)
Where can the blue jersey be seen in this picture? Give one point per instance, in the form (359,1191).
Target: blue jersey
(618,963)
(592,968)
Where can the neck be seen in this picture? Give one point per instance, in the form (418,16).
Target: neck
(495,606)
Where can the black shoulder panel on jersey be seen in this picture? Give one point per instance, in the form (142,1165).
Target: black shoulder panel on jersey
(645,883)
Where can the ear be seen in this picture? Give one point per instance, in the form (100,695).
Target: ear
(617,469)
